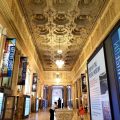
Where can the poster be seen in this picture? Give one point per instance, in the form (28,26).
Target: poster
(116,53)
(98,88)
(8,57)
(34,83)
(22,70)
(35,77)
(84,86)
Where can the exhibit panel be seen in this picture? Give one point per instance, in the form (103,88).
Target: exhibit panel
(26,110)
(112,50)
(1,105)
(98,87)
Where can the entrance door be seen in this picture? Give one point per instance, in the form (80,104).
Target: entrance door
(9,107)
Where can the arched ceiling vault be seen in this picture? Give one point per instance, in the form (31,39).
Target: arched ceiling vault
(68,22)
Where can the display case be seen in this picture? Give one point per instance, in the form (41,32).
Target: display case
(37,105)
(1,105)
(26,108)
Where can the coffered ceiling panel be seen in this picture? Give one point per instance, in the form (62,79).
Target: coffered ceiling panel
(60,23)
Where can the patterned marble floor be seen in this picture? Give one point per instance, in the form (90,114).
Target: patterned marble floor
(44,115)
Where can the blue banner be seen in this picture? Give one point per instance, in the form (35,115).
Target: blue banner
(116,52)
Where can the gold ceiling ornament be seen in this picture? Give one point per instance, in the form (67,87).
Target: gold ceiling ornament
(71,21)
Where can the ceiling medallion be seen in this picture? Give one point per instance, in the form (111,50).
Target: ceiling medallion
(39,19)
(82,20)
(43,31)
(60,31)
(62,5)
(90,6)
(37,5)
(61,19)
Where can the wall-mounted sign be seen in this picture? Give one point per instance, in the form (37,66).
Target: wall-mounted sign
(8,57)
(34,83)
(98,87)
(84,86)
(116,53)
(22,70)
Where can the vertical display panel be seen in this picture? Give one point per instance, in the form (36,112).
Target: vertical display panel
(27,106)
(22,70)
(37,104)
(98,87)
(8,57)
(116,53)
(1,104)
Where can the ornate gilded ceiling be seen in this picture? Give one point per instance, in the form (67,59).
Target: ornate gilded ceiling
(67,23)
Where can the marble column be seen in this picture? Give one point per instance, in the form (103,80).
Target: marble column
(73,95)
(49,96)
(65,96)
(79,91)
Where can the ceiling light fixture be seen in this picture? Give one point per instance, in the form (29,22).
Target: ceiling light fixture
(59,63)
(59,51)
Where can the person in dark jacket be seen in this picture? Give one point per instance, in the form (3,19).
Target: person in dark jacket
(52,110)
(59,103)
(51,114)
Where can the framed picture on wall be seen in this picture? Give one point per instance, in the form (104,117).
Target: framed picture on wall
(84,85)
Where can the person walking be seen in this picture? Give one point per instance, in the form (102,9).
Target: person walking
(81,112)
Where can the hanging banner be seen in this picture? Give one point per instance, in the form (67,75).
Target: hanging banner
(84,86)
(34,83)
(22,70)
(98,87)
(116,53)
(8,57)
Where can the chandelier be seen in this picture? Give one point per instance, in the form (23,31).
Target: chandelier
(59,62)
